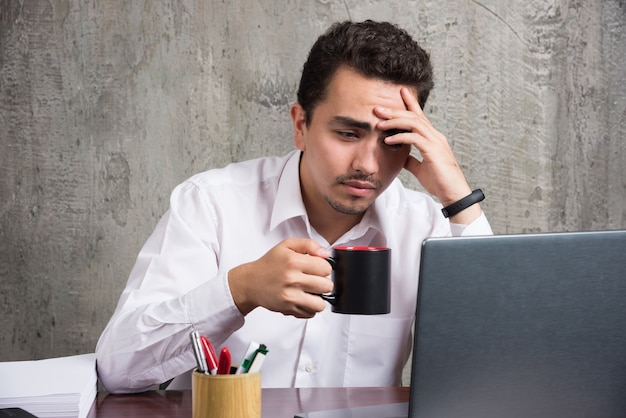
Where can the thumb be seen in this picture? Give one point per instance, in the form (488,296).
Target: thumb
(413,165)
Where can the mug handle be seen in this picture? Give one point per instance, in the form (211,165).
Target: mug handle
(330,297)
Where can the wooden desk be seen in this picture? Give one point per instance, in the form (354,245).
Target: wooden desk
(276,403)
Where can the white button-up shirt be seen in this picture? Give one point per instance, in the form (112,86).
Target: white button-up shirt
(223,218)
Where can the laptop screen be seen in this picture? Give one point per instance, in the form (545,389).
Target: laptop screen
(521,326)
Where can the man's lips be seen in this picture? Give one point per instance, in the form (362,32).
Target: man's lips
(359,188)
(359,184)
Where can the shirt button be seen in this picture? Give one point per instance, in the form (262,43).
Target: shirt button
(309,367)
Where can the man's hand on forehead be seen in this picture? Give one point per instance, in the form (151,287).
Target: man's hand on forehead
(438,171)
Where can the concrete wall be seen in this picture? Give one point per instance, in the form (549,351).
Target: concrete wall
(105,106)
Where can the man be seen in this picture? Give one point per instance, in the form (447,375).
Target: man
(239,256)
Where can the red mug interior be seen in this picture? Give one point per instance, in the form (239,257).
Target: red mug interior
(359,248)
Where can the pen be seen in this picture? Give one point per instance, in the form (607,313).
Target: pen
(258,360)
(224,361)
(209,354)
(198,351)
(248,357)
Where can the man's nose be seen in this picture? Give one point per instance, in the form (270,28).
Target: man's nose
(366,157)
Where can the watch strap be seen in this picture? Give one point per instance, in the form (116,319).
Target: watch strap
(460,205)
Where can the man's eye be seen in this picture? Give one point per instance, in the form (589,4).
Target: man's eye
(347,134)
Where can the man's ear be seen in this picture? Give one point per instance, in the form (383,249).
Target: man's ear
(298,118)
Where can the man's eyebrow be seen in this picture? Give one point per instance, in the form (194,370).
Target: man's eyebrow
(351,123)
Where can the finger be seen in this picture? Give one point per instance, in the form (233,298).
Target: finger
(301,260)
(401,136)
(314,303)
(307,246)
(316,284)
(421,173)
(405,120)
(388,114)
(307,306)
(410,101)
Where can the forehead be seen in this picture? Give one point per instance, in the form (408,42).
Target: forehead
(349,90)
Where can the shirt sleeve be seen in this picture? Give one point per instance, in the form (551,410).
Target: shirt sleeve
(175,286)
(480,226)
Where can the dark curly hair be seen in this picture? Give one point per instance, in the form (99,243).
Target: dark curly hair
(378,50)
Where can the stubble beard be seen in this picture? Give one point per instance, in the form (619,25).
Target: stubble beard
(356,206)
(347,209)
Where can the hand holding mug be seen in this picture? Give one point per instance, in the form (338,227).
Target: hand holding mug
(286,279)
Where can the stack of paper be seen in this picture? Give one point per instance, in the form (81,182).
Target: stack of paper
(56,388)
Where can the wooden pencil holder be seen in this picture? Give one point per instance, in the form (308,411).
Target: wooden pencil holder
(226,395)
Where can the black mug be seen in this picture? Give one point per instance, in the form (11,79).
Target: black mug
(362,278)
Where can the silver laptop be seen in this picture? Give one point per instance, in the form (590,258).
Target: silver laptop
(527,325)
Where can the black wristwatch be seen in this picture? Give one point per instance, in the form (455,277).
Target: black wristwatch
(475,197)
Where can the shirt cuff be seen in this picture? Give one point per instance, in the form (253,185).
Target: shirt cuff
(211,308)
(480,226)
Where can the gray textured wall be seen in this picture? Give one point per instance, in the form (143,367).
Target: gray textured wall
(106,106)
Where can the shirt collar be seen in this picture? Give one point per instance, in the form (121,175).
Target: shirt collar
(288,202)
(287,206)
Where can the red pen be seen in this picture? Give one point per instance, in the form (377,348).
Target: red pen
(210,354)
(225,361)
